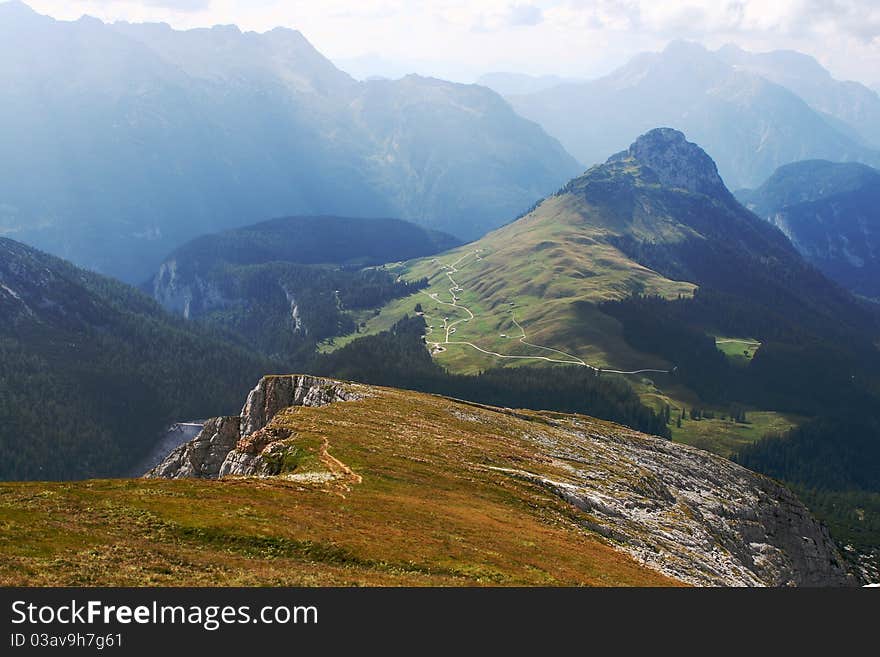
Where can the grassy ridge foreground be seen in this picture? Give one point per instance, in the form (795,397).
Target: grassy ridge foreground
(418,505)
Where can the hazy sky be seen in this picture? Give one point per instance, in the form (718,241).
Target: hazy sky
(460,39)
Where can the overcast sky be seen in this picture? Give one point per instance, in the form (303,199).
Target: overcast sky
(461,39)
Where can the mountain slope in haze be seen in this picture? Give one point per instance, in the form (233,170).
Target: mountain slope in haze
(313,241)
(130,140)
(852,104)
(831,213)
(747,123)
(516,84)
(92,371)
(285,284)
(375,486)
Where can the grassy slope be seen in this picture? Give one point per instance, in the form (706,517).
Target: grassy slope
(738,350)
(547,265)
(719,436)
(411,503)
(726,437)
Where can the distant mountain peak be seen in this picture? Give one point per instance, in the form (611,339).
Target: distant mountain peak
(15,8)
(684,47)
(677,162)
(16,5)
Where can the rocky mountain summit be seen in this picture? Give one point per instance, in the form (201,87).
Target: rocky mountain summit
(176,134)
(690,515)
(677,163)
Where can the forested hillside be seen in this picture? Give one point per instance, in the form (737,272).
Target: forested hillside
(91,370)
(284,285)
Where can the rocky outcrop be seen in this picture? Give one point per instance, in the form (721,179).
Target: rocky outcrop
(691,515)
(677,163)
(201,457)
(687,513)
(243,445)
(275,393)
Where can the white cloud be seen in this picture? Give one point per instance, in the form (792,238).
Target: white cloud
(463,38)
(182,5)
(519,15)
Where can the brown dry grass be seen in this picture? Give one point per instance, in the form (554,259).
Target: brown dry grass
(426,511)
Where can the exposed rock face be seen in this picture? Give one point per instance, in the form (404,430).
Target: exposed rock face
(677,162)
(690,514)
(243,445)
(189,295)
(201,457)
(275,393)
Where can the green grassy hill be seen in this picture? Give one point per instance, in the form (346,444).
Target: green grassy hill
(557,286)
(547,271)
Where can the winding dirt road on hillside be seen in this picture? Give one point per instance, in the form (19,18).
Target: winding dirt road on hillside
(450,328)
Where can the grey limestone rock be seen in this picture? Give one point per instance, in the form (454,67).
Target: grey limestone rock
(219,449)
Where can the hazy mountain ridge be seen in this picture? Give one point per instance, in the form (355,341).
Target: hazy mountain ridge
(747,123)
(851,103)
(139,137)
(830,213)
(314,240)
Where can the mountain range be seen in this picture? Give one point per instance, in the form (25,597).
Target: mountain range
(520,381)
(131,139)
(627,287)
(850,106)
(831,213)
(752,113)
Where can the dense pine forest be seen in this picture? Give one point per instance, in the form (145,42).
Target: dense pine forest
(832,464)
(91,370)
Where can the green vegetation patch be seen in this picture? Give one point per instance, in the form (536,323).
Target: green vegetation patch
(737,350)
